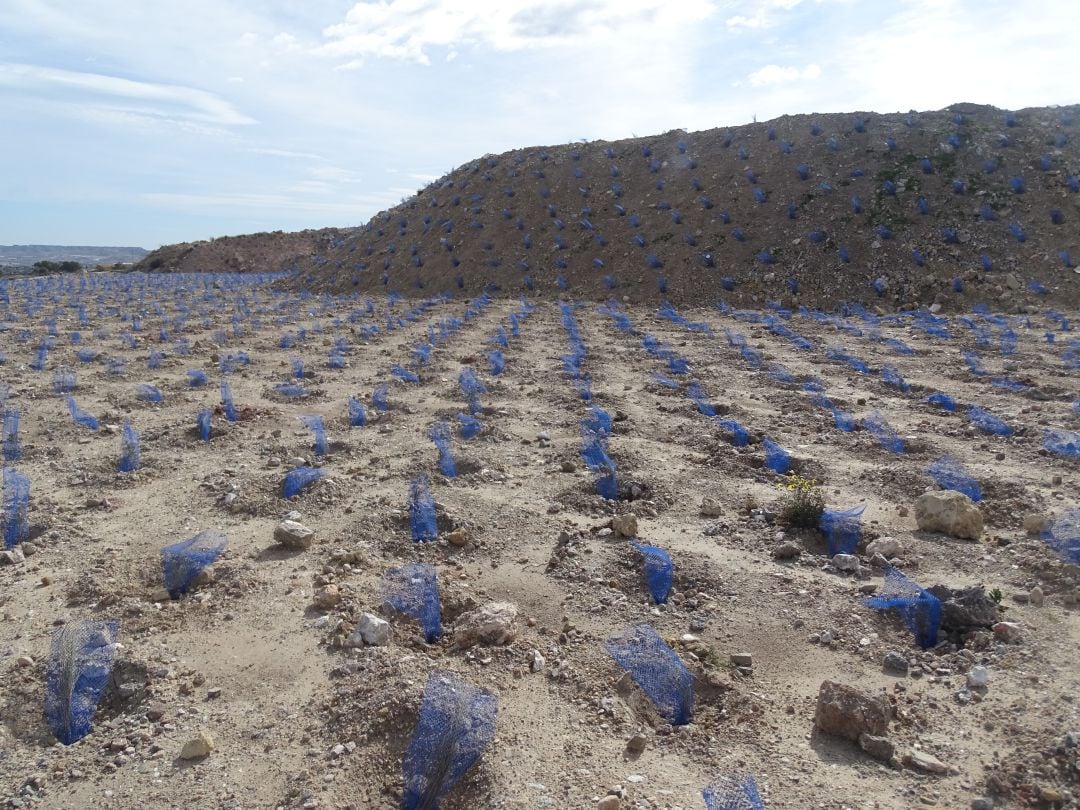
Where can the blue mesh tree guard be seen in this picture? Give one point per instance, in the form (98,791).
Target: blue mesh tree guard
(740,436)
(1063,536)
(987,422)
(422,519)
(299,479)
(357,414)
(380,398)
(78,671)
(64,380)
(181,562)
(227,401)
(202,422)
(781,373)
(843,420)
(440,434)
(9,436)
(950,474)
(497,362)
(290,390)
(943,401)
(1062,442)
(149,393)
(594,454)
(79,416)
(196,378)
(727,793)
(468,426)
(881,430)
(891,376)
(920,610)
(297,367)
(657,669)
(129,449)
(841,529)
(413,589)
(777,458)
(457,722)
(403,374)
(314,423)
(659,571)
(472,388)
(16,516)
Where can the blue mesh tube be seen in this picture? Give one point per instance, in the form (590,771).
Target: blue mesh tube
(594,454)
(422,520)
(1062,442)
(1063,536)
(80,416)
(181,562)
(740,436)
(987,422)
(881,430)
(700,399)
(777,458)
(780,373)
(727,793)
(500,338)
(297,367)
(457,722)
(357,415)
(950,474)
(943,401)
(403,374)
(497,361)
(843,420)
(657,669)
(659,571)
(440,434)
(129,449)
(468,426)
(64,380)
(472,388)
(291,390)
(920,610)
(16,516)
(299,479)
(149,393)
(380,398)
(663,380)
(9,436)
(413,590)
(890,375)
(78,671)
(202,422)
(597,420)
(227,401)
(974,362)
(196,378)
(841,529)
(314,423)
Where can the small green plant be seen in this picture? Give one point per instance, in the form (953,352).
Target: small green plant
(803,502)
(997,596)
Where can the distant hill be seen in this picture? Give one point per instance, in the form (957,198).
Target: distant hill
(89,255)
(253,253)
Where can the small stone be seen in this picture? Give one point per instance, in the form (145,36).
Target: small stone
(636,744)
(845,562)
(1009,632)
(895,662)
(887,547)
(213,693)
(710,507)
(787,550)
(29,549)
(537,663)
(742,659)
(626,525)
(491,624)
(845,711)
(568,467)
(978,677)
(982,803)
(370,630)
(327,597)
(878,747)
(1072,739)
(155,711)
(608,803)
(294,535)
(1036,596)
(458,537)
(12,556)
(1035,523)
(200,746)
(159,595)
(24,662)
(922,761)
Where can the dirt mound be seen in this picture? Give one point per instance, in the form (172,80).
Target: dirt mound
(896,210)
(251,253)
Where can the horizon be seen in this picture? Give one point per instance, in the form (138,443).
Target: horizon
(232,120)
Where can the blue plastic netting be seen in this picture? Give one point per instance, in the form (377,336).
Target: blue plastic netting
(457,722)
(181,562)
(9,436)
(440,434)
(943,401)
(202,422)
(740,436)
(920,610)
(403,374)
(64,380)
(1062,442)
(727,793)
(80,416)
(659,571)
(841,529)
(196,378)
(890,375)
(468,426)
(413,590)
(657,669)
(299,479)
(987,422)
(422,519)
(777,458)
(16,513)
(472,388)
(950,474)
(1063,535)
(77,673)
(380,398)
(149,393)
(129,449)
(227,401)
(314,423)
(357,415)
(497,361)
(881,430)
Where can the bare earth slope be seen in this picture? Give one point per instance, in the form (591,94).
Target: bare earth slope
(769,206)
(257,252)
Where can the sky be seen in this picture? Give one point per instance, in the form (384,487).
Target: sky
(147,123)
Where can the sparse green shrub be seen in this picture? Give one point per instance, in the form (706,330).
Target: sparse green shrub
(803,502)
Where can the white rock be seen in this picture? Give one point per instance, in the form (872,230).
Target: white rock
(370,630)
(978,677)
(845,562)
(291,534)
(950,512)
(887,547)
(491,624)
(626,525)
(200,746)
(537,663)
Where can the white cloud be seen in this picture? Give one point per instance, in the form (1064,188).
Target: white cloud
(408,29)
(761,13)
(775,74)
(127,95)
